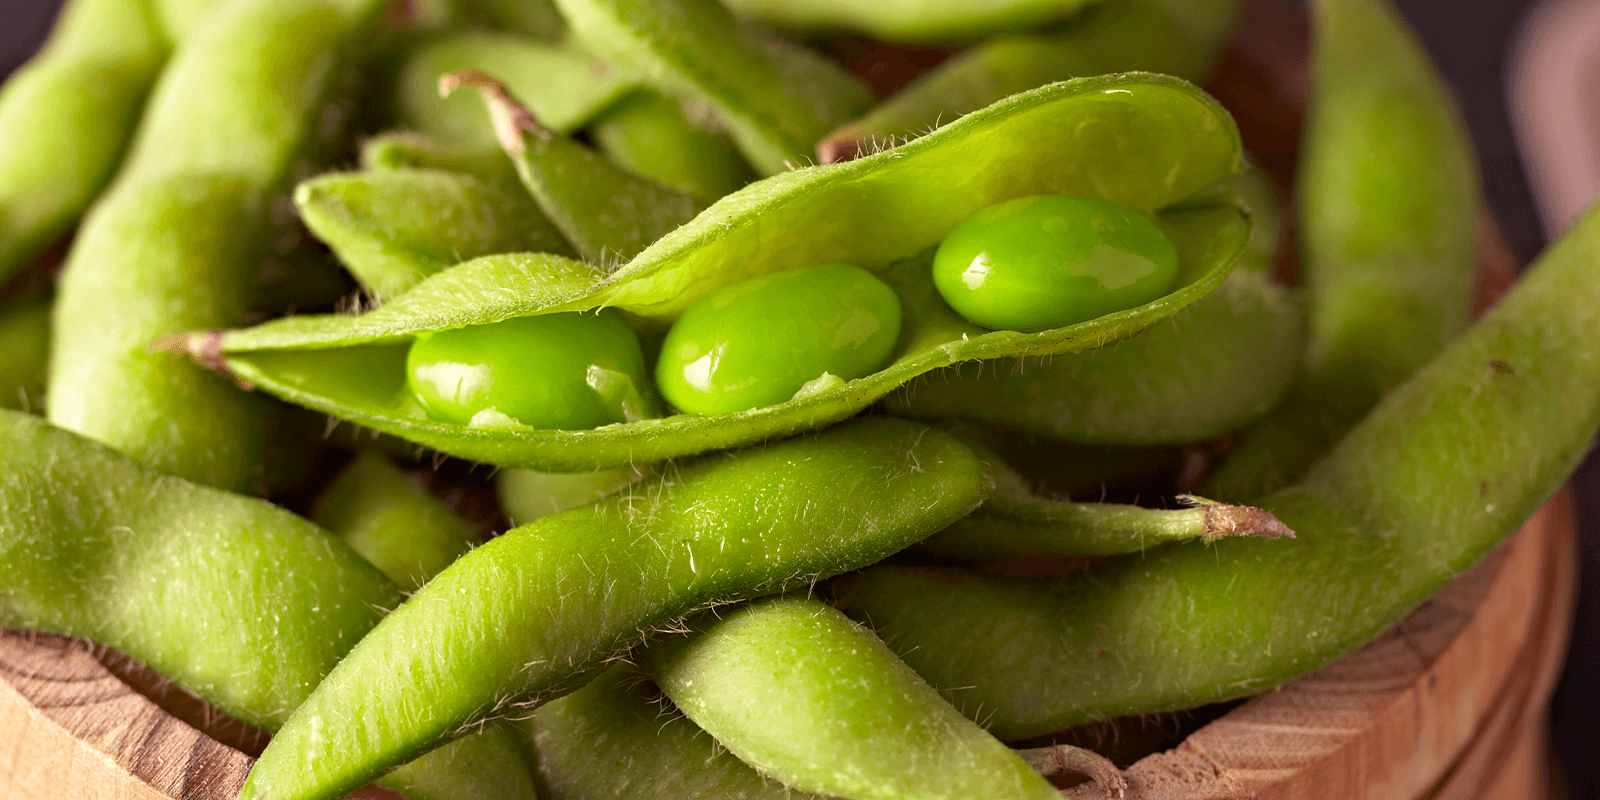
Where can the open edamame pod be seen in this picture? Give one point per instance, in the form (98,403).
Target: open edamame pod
(1016,522)
(534,612)
(565,86)
(1388,202)
(169,247)
(608,213)
(801,693)
(1175,37)
(1446,466)
(1147,142)
(240,602)
(776,98)
(392,228)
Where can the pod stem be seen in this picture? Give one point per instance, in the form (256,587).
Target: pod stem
(1056,759)
(205,347)
(510,118)
(1222,520)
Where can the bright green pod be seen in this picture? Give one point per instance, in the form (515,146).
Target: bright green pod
(191,581)
(1212,369)
(526,495)
(1034,263)
(565,86)
(24,350)
(1144,141)
(67,115)
(608,213)
(912,21)
(801,693)
(392,228)
(170,246)
(768,339)
(1388,201)
(1448,464)
(776,99)
(652,137)
(569,371)
(1174,37)
(1019,522)
(395,524)
(519,618)
(613,738)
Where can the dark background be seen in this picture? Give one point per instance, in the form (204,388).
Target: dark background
(1470,40)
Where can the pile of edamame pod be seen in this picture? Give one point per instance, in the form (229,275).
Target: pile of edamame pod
(799,405)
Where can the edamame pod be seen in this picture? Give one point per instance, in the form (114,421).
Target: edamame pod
(1211,369)
(67,115)
(565,86)
(913,21)
(655,138)
(168,247)
(613,738)
(1446,466)
(24,348)
(1176,37)
(233,599)
(1388,209)
(1016,522)
(606,212)
(526,495)
(392,228)
(1154,141)
(507,622)
(776,99)
(396,525)
(801,693)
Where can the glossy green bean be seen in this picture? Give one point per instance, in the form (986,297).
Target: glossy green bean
(655,138)
(1018,522)
(1176,37)
(67,115)
(566,86)
(1388,213)
(1154,142)
(615,737)
(801,693)
(606,212)
(396,525)
(507,622)
(24,348)
(1212,369)
(168,247)
(240,602)
(392,228)
(775,98)
(1448,465)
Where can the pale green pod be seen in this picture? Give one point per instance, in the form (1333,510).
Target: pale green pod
(526,495)
(24,348)
(655,138)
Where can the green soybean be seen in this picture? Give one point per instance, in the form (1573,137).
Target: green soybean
(534,612)
(566,86)
(655,138)
(775,98)
(1388,211)
(606,212)
(1017,522)
(761,342)
(1048,261)
(1146,142)
(1212,369)
(233,599)
(396,525)
(66,117)
(24,349)
(392,228)
(556,371)
(801,693)
(615,738)
(1441,471)
(1175,37)
(167,248)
